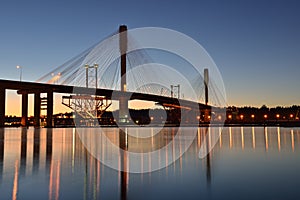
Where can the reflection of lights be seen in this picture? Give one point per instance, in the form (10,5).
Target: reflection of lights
(198,117)
(230,138)
(292,140)
(253,138)
(220,134)
(242,135)
(278,138)
(15,188)
(266,139)
(219,117)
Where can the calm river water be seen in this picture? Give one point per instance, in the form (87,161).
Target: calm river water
(245,163)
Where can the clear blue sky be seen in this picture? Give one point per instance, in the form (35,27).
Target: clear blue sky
(255,44)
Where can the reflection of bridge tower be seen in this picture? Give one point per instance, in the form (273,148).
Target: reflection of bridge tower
(123,102)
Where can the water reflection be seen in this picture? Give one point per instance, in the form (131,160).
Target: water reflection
(54,164)
(1,152)
(123,144)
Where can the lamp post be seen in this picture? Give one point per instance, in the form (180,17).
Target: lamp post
(19,67)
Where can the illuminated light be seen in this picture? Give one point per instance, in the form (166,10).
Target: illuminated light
(198,117)
(219,117)
(229,116)
(20,67)
(242,117)
(265,116)
(252,116)
(291,115)
(277,115)
(208,117)
(152,118)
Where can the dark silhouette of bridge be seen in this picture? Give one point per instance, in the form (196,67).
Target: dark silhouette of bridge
(99,95)
(25,88)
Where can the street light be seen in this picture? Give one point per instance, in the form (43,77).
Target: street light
(19,67)
(242,117)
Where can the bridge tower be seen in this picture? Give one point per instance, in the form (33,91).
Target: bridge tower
(206,111)
(123,101)
(206,79)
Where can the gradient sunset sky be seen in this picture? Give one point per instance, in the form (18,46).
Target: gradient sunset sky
(255,44)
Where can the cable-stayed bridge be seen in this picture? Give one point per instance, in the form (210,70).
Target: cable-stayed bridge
(107,71)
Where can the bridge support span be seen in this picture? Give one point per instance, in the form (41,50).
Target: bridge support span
(2,106)
(24,109)
(37,109)
(50,109)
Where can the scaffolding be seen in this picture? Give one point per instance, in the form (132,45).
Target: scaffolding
(89,107)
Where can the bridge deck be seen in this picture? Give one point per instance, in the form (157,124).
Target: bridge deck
(32,87)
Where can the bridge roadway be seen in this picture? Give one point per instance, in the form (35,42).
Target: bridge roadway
(25,88)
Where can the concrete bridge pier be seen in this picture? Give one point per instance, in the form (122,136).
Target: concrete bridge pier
(49,109)
(123,101)
(37,109)
(24,109)
(2,106)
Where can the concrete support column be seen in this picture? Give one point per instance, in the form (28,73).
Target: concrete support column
(206,79)
(123,102)
(37,109)
(2,106)
(49,109)
(24,109)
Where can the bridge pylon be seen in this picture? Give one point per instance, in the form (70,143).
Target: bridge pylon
(206,111)
(123,101)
